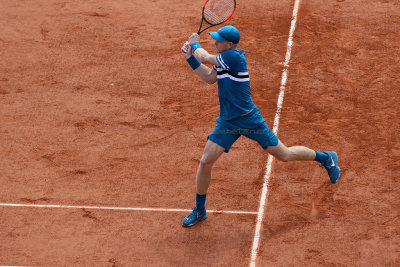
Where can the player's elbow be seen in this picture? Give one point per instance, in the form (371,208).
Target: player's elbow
(211,79)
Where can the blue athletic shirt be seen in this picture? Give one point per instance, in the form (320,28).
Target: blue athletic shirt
(234,85)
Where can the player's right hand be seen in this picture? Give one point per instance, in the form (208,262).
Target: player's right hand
(194,38)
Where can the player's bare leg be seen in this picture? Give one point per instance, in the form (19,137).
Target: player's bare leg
(212,152)
(294,153)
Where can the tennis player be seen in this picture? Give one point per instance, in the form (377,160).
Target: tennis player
(238,114)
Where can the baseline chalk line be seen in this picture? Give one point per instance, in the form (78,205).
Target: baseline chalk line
(122,208)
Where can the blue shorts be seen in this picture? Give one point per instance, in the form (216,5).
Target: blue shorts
(227,132)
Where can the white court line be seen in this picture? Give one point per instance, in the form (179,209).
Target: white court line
(261,208)
(122,208)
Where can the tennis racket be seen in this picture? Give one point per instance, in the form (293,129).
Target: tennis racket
(215,12)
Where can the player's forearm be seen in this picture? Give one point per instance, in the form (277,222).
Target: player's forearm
(204,56)
(205,73)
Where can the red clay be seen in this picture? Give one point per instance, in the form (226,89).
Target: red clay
(98,107)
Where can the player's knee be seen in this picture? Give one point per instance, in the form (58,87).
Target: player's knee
(205,161)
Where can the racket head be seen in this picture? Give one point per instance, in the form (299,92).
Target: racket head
(216,12)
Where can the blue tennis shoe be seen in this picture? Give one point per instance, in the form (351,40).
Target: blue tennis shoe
(332,167)
(194,218)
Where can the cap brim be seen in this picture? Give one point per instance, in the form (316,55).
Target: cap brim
(216,36)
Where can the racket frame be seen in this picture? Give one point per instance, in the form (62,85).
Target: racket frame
(211,24)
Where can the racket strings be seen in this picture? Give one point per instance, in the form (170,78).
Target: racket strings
(218,11)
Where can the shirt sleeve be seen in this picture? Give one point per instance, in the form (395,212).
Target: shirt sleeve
(225,60)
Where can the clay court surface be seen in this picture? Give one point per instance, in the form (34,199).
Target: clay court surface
(98,108)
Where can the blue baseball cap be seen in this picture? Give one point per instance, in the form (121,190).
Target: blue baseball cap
(227,33)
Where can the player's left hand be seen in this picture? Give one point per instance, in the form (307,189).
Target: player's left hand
(194,38)
(186,50)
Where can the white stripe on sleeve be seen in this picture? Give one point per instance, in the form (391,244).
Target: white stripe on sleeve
(222,63)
